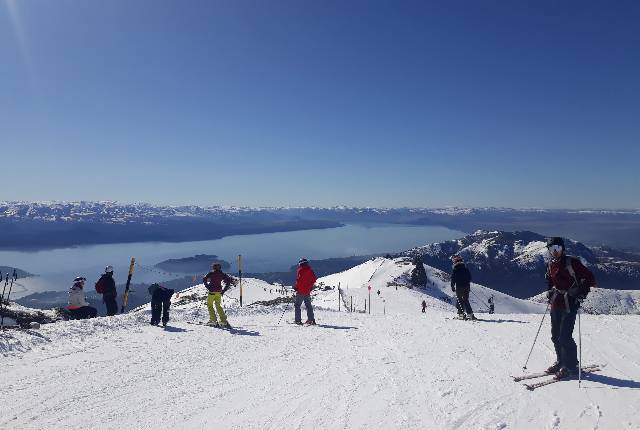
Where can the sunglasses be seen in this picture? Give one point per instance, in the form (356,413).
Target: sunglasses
(554,248)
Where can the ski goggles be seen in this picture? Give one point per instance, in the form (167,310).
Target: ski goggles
(554,248)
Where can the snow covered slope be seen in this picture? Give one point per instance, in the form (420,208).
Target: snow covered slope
(384,275)
(402,369)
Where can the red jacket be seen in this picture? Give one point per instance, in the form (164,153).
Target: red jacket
(305,278)
(213,281)
(558,276)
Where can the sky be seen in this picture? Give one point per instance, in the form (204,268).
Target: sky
(321,103)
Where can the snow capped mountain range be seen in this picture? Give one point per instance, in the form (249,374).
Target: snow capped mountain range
(515,262)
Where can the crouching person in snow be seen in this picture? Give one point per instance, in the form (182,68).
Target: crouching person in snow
(569,283)
(160,303)
(213,282)
(78,307)
(305,279)
(461,285)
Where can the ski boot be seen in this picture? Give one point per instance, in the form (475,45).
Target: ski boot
(310,322)
(212,324)
(461,317)
(154,323)
(297,322)
(472,317)
(565,373)
(225,324)
(554,368)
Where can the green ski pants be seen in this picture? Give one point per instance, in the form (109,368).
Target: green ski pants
(217,299)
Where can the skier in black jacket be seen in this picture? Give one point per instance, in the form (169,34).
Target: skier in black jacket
(160,303)
(108,288)
(461,285)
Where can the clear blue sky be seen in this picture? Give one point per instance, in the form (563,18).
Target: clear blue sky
(379,103)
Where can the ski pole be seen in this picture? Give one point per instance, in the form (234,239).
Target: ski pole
(286,307)
(579,350)
(536,338)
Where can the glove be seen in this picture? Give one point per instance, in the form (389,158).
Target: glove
(549,295)
(453,289)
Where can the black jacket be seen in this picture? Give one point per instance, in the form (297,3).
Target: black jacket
(109,286)
(460,277)
(162,294)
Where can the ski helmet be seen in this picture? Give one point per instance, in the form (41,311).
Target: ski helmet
(108,269)
(80,279)
(302,261)
(555,241)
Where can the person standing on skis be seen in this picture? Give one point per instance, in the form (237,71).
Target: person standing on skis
(424,306)
(461,285)
(568,282)
(305,279)
(213,282)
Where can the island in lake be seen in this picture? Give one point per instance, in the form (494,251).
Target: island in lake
(198,264)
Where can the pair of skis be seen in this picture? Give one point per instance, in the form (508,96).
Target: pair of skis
(223,327)
(533,385)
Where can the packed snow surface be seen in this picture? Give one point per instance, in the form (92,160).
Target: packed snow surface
(393,368)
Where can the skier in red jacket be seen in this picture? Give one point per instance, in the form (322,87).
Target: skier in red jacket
(569,283)
(305,279)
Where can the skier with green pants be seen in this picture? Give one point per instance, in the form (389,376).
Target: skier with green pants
(213,282)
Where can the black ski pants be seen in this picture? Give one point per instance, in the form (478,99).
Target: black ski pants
(112,306)
(160,306)
(562,324)
(83,313)
(463,304)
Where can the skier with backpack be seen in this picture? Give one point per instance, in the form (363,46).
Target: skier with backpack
(305,280)
(107,287)
(461,285)
(569,282)
(78,306)
(160,303)
(213,282)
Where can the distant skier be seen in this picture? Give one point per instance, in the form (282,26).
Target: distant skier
(461,285)
(107,287)
(569,283)
(15,275)
(491,305)
(78,307)
(305,279)
(213,282)
(424,306)
(160,303)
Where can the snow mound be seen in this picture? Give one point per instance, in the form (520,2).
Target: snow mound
(606,301)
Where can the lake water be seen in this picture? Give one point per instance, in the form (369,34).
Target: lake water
(261,253)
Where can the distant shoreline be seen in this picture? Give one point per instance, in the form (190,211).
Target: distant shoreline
(49,236)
